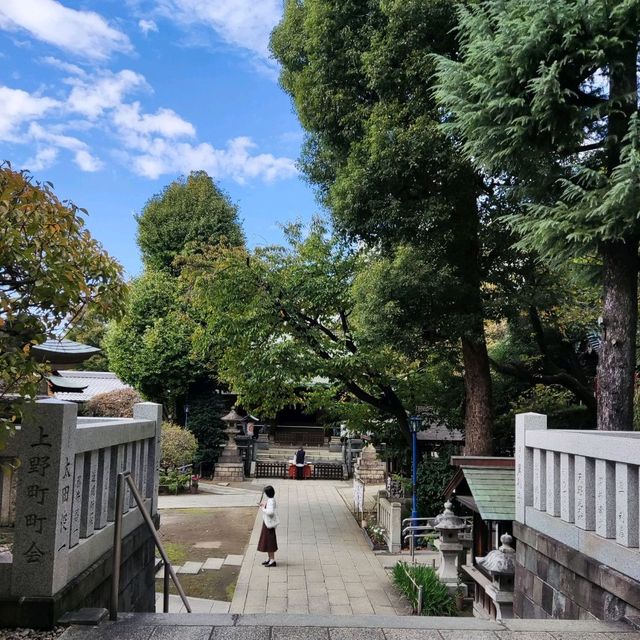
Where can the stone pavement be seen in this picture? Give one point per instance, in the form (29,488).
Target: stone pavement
(197,626)
(324,564)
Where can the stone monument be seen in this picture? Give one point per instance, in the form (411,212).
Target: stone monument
(230,467)
(368,469)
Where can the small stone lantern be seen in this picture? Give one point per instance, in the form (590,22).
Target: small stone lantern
(230,466)
(500,564)
(450,525)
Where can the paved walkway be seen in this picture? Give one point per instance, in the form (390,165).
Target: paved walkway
(324,565)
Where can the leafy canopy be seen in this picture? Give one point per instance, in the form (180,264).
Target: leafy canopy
(188,213)
(51,269)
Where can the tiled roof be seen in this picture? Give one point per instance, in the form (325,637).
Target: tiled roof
(96,381)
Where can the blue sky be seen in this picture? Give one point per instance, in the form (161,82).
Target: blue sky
(113,99)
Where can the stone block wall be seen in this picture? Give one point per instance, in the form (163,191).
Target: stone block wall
(554,581)
(92,588)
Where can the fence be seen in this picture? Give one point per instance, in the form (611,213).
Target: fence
(390,517)
(320,470)
(66,487)
(581,488)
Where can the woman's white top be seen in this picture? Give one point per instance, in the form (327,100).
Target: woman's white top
(269,515)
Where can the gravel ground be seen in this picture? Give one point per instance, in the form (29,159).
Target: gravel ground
(31,634)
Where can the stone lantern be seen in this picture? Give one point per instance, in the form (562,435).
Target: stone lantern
(450,525)
(500,564)
(230,466)
(368,469)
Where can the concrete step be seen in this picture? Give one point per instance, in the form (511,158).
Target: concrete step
(292,627)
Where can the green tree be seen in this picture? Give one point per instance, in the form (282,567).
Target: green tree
(282,327)
(188,213)
(150,348)
(547,93)
(51,269)
(361,78)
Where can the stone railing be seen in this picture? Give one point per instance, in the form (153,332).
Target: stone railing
(390,517)
(66,490)
(581,488)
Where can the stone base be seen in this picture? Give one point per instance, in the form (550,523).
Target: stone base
(229,472)
(375,476)
(92,588)
(555,581)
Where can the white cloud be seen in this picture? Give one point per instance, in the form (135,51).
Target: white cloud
(82,156)
(242,23)
(93,96)
(19,107)
(44,158)
(84,33)
(67,67)
(165,122)
(159,157)
(147,25)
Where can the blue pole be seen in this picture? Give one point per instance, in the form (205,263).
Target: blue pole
(414,474)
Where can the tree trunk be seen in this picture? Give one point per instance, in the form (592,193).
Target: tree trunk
(616,366)
(477,374)
(477,404)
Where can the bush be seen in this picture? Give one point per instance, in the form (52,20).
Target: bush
(174,481)
(113,404)
(436,599)
(178,446)
(205,410)
(433,476)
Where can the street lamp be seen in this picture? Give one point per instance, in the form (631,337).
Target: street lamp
(415,424)
(186,416)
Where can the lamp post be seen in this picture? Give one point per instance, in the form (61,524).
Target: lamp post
(415,424)
(186,416)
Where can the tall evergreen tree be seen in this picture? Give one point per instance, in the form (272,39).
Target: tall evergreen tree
(547,92)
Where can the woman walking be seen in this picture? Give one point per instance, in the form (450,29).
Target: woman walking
(268,542)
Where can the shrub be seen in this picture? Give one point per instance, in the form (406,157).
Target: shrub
(433,476)
(113,404)
(205,410)
(436,599)
(178,446)
(174,481)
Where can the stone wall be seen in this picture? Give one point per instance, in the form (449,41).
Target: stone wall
(553,580)
(92,587)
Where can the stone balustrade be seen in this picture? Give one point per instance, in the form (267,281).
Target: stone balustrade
(390,517)
(581,488)
(66,491)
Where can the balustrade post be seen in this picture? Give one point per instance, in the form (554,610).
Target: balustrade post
(44,498)
(553,483)
(605,499)
(585,517)
(524,461)
(152,411)
(567,487)
(626,504)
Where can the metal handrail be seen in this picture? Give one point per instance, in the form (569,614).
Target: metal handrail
(123,477)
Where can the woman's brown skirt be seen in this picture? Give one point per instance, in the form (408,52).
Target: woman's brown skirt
(267,542)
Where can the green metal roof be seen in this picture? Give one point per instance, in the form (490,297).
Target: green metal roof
(494,491)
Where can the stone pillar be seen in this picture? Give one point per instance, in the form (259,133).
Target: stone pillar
(368,469)
(44,498)
(525,462)
(449,525)
(395,532)
(151,411)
